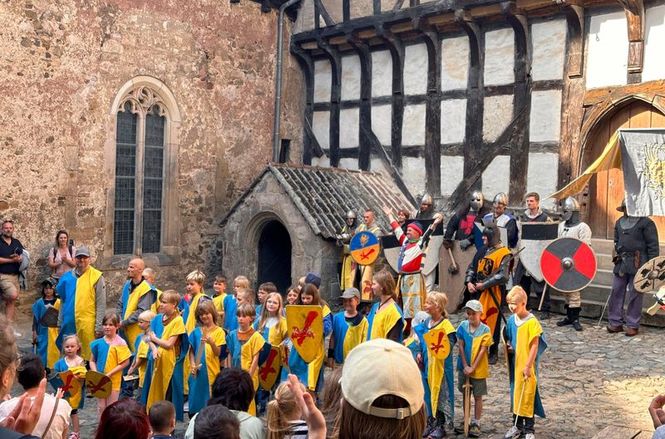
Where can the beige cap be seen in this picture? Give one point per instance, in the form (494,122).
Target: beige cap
(382,367)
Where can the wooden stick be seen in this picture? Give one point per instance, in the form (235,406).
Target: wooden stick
(467,405)
(519,404)
(542,297)
(454,269)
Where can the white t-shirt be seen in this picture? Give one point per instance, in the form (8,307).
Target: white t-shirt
(60,422)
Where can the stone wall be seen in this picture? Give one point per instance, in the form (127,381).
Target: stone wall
(62,66)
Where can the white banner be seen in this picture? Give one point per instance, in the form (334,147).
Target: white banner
(643,162)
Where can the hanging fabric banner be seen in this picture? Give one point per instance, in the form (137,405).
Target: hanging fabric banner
(643,159)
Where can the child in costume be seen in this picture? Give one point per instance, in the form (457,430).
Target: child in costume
(246,295)
(524,337)
(143,349)
(272,327)
(474,339)
(194,288)
(219,287)
(110,355)
(71,360)
(204,363)
(349,327)
(385,317)
(164,372)
(244,345)
(436,338)
(44,337)
(231,304)
(293,295)
(262,294)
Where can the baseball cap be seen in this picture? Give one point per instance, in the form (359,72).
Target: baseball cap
(313,278)
(350,293)
(474,305)
(382,367)
(82,251)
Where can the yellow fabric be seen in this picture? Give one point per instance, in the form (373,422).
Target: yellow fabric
(348,271)
(278,333)
(85,309)
(117,354)
(526,333)
(354,336)
(218,301)
(483,368)
(610,158)
(488,264)
(155,306)
(436,367)
(133,331)
(249,350)
(190,324)
(212,361)
(384,320)
(314,367)
(142,352)
(52,353)
(165,363)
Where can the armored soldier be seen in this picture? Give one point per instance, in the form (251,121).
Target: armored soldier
(503,219)
(573,227)
(635,242)
(460,226)
(426,210)
(348,271)
(485,280)
(367,271)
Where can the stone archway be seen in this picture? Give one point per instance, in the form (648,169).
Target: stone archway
(274,251)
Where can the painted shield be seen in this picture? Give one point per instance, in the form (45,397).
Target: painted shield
(391,246)
(50,317)
(568,265)
(535,237)
(70,385)
(437,343)
(270,368)
(453,284)
(365,248)
(660,303)
(98,384)
(305,325)
(651,276)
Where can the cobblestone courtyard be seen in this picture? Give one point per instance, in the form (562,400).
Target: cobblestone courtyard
(588,380)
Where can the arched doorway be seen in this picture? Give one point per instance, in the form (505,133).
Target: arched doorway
(275,255)
(606,190)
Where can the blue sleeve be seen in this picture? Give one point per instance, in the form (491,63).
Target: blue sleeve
(327,325)
(452,338)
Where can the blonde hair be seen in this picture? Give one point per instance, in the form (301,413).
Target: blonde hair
(147,315)
(517,292)
(440,300)
(196,276)
(66,338)
(170,296)
(265,314)
(241,282)
(149,272)
(351,422)
(206,307)
(248,295)
(281,410)
(246,310)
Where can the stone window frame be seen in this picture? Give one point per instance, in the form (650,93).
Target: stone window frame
(153,91)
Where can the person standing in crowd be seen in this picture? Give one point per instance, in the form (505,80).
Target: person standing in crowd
(367,271)
(45,333)
(385,317)
(11,256)
(503,219)
(162,420)
(71,346)
(61,257)
(349,268)
(82,294)
(349,328)
(124,419)
(138,295)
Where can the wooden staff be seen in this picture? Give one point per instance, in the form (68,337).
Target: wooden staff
(542,297)
(199,352)
(467,405)
(519,404)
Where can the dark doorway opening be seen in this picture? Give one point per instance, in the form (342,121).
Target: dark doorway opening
(275,256)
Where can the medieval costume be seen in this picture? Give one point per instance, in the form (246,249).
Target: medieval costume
(635,242)
(209,366)
(573,227)
(348,332)
(426,210)
(243,347)
(348,269)
(385,323)
(133,301)
(489,272)
(503,219)
(46,335)
(367,271)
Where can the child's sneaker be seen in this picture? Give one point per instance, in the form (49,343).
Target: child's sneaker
(513,433)
(437,433)
(474,430)
(530,436)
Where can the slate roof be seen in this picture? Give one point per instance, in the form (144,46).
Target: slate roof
(324,195)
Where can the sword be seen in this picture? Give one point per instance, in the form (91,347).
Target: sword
(467,405)
(542,297)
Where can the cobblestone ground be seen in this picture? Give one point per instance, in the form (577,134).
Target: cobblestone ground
(588,380)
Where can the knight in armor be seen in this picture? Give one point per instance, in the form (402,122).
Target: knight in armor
(460,226)
(573,227)
(367,271)
(635,242)
(533,214)
(411,282)
(486,278)
(348,271)
(426,210)
(503,219)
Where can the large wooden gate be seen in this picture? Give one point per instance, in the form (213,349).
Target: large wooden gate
(606,189)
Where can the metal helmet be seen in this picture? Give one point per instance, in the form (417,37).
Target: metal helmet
(350,214)
(426,199)
(568,206)
(491,232)
(477,200)
(500,198)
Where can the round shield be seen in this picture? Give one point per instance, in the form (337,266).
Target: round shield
(568,264)
(651,276)
(364,248)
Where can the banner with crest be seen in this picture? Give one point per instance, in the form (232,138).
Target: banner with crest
(643,162)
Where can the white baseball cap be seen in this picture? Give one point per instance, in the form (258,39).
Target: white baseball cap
(382,367)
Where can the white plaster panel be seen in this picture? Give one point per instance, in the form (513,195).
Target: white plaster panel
(376,164)
(542,175)
(349,123)
(321,127)
(654,61)
(323,161)
(415,69)
(413,174)
(496,177)
(350,77)
(453,120)
(497,115)
(322,81)
(454,63)
(348,163)
(499,57)
(607,50)
(413,126)
(334,9)
(382,73)
(452,172)
(545,122)
(382,123)
(549,47)
(305,20)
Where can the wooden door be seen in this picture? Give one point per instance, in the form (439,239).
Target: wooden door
(606,189)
